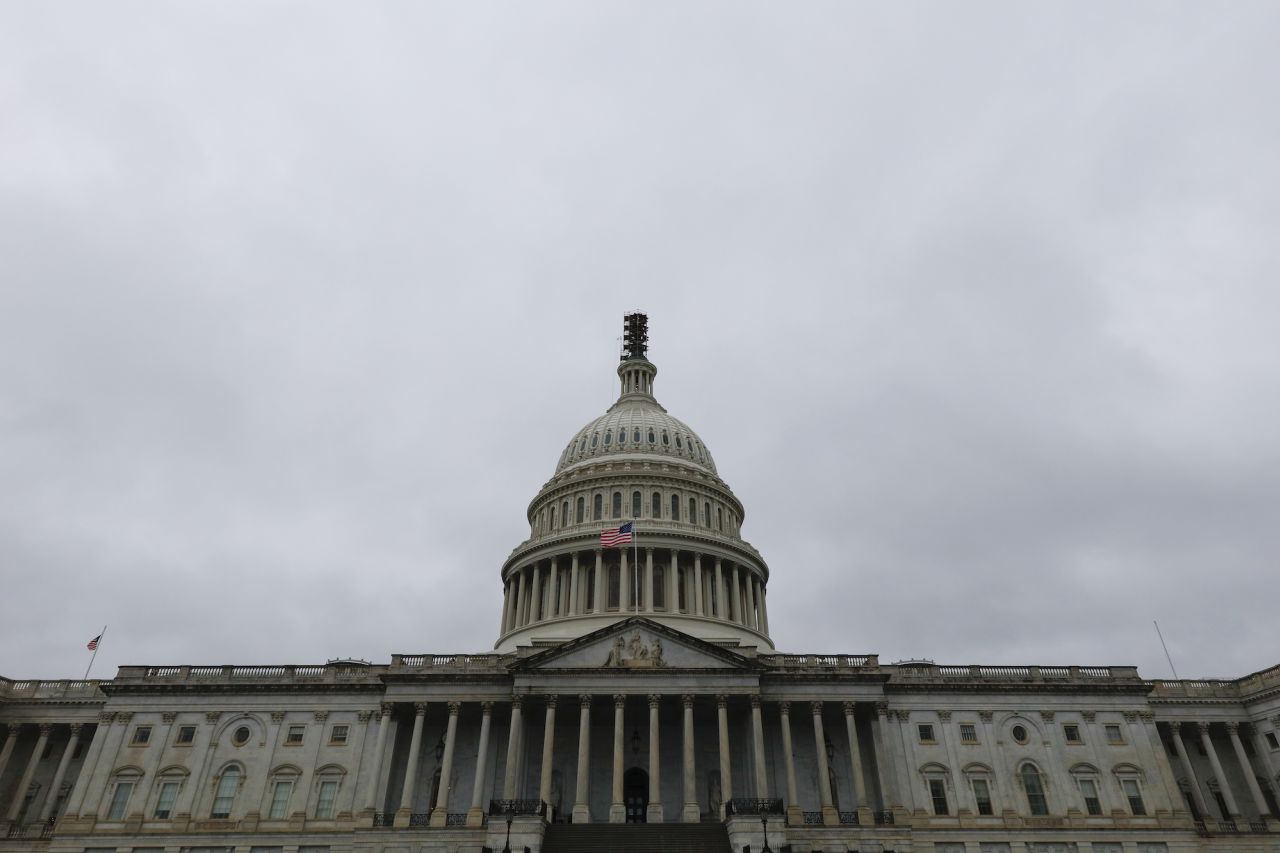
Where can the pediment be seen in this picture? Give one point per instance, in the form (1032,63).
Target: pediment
(637,645)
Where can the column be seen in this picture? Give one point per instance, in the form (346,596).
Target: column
(506,607)
(20,792)
(548,752)
(440,814)
(598,606)
(1197,795)
(375,773)
(1142,730)
(720,611)
(513,754)
(12,730)
(829,815)
(411,768)
(575,602)
(647,591)
(617,808)
(903,790)
(757,742)
(690,813)
(1259,802)
(535,598)
(855,757)
(750,584)
(518,619)
(1260,748)
(794,812)
(581,809)
(654,812)
(697,585)
(735,596)
(475,814)
(726,769)
(47,808)
(1232,808)
(764,611)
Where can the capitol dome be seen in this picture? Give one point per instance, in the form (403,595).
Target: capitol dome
(686,563)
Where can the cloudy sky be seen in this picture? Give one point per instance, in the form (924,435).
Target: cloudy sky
(975,304)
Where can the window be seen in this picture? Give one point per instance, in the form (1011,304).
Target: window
(1071,733)
(968,733)
(693,510)
(141,736)
(595,439)
(666,439)
(339,734)
(1272,741)
(597,507)
(582,511)
(982,796)
(679,446)
(652,439)
(675,507)
(280,796)
(1034,788)
(622,436)
(657,505)
(295,735)
(564,512)
(635,504)
(706,515)
(240,736)
(1113,735)
(719,519)
(224,795)
(164,804)
(617,504)
(926,735)
(120,799)
(1134,794)
(1019,733)
(186,735)
(328,793)
(1089,790)
(938,793)
(608,437)
(635,436)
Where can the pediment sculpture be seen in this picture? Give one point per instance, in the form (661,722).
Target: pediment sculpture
(636,653)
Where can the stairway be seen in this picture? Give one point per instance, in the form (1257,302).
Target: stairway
(636,838)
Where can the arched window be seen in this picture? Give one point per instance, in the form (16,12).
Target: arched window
(1033,785)
(657,505)
(224,795)
(666,439)
(675,507)
(693,510)
(168,784)
(617,504)
(553,517)
(608,437)
(564,512)
(635,504)
(582,509)
(706,515)
(615,587)
(652,439)
(635,436)
(679,446)
(660,586)
(719,518)
(124,783)
(284,781)
(328,781)
(597,507)
(622,436)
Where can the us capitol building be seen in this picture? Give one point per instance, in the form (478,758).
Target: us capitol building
(635,700)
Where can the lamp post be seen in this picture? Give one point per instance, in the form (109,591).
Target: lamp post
(506,848)
(764,827)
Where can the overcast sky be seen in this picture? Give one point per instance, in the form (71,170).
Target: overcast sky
(975,304)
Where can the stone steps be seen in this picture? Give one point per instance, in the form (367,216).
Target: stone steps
(636,838)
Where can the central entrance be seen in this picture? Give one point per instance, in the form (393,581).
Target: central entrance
(635,793)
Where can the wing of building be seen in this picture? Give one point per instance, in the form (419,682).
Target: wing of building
(634,700)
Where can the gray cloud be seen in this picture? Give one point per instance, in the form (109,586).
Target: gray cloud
(974,305)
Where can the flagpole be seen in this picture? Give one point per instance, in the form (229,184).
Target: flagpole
(96,646)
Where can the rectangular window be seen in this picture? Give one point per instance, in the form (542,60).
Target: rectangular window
(1272,741)
(925,731)
(1072,733)
(339,734)
(328,793)
(938,792)
(186,735)
(120,800)
(295,735)
(141,736)
(968,733)
(1113,735)
(1134,795)
(164,805)
(1089,791)
(982,795)
(280,799)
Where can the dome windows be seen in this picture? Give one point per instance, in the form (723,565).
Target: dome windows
(635,436)
(582,510)
(617,504)
(666,439)
(675,507)
(608,437)
(657,505)
(679,446)
(635,504)
(622,436)
(597,508)
(595,439)
(652,438)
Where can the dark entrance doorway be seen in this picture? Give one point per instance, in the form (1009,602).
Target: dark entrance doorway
(635,793)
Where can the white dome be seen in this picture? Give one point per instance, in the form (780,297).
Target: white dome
(637,428)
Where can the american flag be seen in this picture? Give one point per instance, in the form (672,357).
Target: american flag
(617,536)
(93,644)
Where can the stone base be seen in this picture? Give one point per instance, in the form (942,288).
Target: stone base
(617,813)
(653,813)
(691,813)
(581,813)
(439,817)
(795,815)
(830,817)
(364,820)
(866,817)
(402,818)
(475,817)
